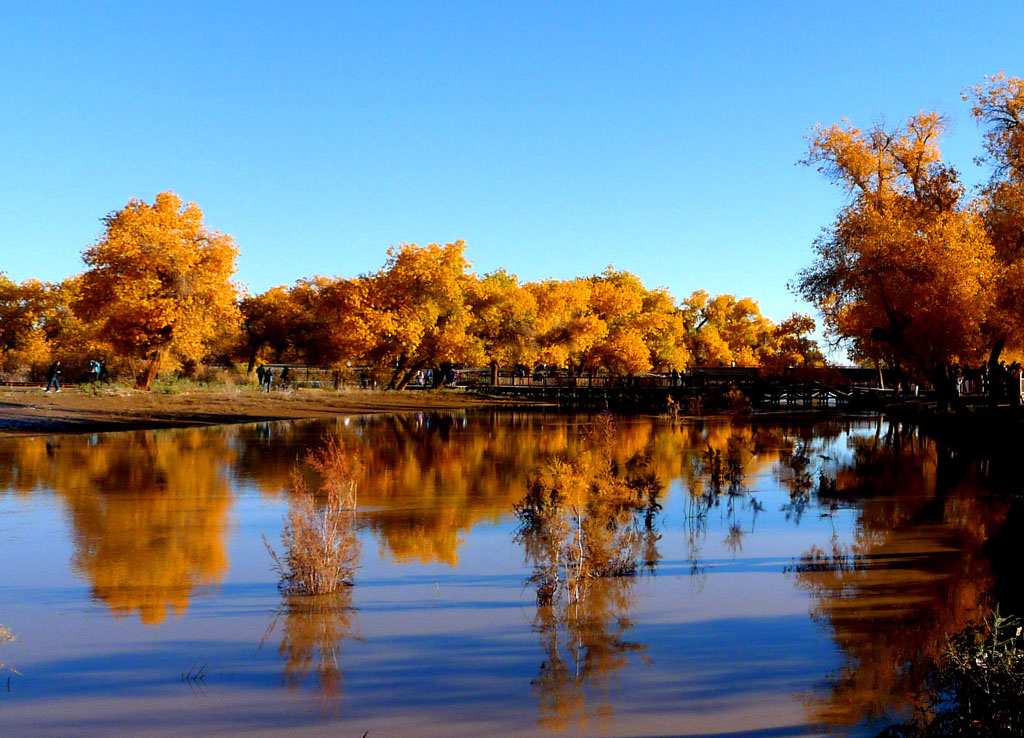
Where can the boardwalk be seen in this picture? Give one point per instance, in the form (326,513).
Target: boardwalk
(704,388)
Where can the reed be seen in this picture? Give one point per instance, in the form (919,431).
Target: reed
(319,539)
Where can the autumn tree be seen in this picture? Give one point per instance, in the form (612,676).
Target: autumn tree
(158,283)
(418,312)
(504,319)
(567,329)
(617,300)
(792,345)
(664,329)
(269,320)
(725,329)
(335,319)
(37,324)
(906,271)
(20,309)
(998,105)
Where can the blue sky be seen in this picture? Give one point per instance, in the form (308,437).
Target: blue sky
(556,138)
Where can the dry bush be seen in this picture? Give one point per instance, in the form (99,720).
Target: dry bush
(6,637)
(581,519)
(321,548)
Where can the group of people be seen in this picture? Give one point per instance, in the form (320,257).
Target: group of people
(97,373)
(265,375)
(1002,382)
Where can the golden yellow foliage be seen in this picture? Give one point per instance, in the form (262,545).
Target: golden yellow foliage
(418,310)
(998,104)
(505,317)
(906,271)
(159,283)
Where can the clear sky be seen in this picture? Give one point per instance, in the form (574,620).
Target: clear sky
(556,138)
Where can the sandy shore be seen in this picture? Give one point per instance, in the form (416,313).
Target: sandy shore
(75,410)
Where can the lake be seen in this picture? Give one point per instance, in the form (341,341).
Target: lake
(791,578)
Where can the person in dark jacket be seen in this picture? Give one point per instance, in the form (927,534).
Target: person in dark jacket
(53,375)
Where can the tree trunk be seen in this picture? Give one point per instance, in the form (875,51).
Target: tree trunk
(145,378)
(441,373)
(997,349)
(996,375)
(408,376)
(398,370)
(943,381)
(494,374)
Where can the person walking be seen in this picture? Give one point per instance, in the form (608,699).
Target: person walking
(53,375)
(268,378)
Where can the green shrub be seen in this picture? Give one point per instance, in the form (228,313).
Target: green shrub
(977,690)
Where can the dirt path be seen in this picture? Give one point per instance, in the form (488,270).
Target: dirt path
(30,410)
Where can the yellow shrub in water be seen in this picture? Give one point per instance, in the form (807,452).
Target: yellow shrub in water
(6,637)
(319,537)
(579,521)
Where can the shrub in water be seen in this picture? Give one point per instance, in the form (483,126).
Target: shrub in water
(6,637)
(581,519)
(977,689)
(319,536)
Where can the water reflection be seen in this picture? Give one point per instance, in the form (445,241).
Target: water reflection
(148,511)
(312,630)
(913,573)
(427,480)
(898,560)
(587,526)
(585,641)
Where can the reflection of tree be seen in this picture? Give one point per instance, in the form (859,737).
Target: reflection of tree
(313,628)
(148,511)
(719,472)
(913,573)
(428,479)
(584,644)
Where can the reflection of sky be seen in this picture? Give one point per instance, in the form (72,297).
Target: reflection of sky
(447,648)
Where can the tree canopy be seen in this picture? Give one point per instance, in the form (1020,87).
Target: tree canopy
(913,272)
(157,293)
(158,283)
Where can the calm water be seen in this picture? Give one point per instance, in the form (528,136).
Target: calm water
(795,599)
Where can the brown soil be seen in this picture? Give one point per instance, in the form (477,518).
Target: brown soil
(30,410)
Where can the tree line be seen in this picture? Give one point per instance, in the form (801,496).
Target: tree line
(915,273)
(158,294)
